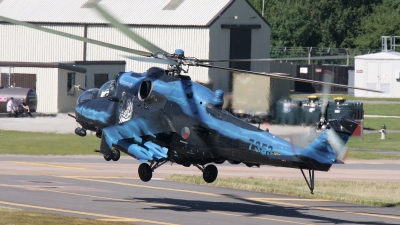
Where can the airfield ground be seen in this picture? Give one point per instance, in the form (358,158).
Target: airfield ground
(62,123)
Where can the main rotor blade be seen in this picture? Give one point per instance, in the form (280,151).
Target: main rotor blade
(153,60)
(75,37)
(283,77)
(277,59)
(124,29)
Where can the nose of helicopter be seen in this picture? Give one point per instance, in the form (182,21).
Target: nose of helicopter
(87,96)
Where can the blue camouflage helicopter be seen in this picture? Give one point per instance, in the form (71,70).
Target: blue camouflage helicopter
(162,116)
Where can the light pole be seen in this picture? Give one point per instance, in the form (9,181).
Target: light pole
(262,10)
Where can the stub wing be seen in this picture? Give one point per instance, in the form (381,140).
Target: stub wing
(133,137)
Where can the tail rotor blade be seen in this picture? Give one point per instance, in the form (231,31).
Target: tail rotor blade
(338,146)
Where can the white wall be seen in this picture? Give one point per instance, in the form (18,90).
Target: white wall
(379,75)
(21,44)
(65,102)
(194,41)
(46,87)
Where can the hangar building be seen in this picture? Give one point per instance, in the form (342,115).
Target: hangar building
(207,29)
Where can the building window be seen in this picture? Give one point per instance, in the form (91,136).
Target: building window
(100,79)
(71,83)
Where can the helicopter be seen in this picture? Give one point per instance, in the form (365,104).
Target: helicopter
(162,116)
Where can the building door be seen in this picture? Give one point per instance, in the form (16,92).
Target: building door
(385,77)
(22,80)
(240,48)
(372,77)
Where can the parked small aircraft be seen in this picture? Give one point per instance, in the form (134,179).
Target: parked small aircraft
(162,116)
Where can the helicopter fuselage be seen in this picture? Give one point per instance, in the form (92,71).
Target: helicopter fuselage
(189,122)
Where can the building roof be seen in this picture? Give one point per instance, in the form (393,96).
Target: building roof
(380,55)
(132,12)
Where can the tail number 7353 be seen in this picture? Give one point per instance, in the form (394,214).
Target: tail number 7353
(260,147)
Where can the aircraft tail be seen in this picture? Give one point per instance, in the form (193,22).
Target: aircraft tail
(329,147)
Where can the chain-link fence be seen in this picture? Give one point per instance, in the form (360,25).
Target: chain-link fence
(289,52)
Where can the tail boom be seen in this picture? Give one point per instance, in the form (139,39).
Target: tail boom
(329,147)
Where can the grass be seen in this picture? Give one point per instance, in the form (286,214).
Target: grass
(382,109)
(386,194)
(373,142)
(370,155)
(16,217)
(36,143)
(376,123)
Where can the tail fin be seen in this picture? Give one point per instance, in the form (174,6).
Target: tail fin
(329,147)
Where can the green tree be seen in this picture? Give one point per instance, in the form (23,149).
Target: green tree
(325,23)
(339,20)
(383,21)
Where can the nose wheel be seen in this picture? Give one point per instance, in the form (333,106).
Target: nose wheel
(210,172)
(145,172)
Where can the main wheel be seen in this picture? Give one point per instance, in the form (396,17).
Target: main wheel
(145,172)
(107,157)
(116,155)
(210,173)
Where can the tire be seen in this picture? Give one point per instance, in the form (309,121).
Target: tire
(145,172)
(210,173)
(116,155)
(107,157)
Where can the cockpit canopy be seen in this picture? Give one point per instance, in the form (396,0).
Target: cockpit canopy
(87,95)
(108,89)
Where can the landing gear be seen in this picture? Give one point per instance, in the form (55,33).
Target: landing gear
(145,170)
(115,155)
(80,131)
(210,172)
(107,157)
(311,178)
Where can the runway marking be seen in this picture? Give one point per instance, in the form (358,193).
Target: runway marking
(325,208)
(48,165)
(134,219)
(139,185)
(85,213)
(82,195)
(258,217)
(218,195)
